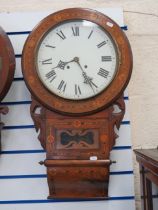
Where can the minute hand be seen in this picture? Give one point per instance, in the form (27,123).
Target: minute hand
(76,59)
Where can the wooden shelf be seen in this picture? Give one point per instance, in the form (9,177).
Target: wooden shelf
(148,161)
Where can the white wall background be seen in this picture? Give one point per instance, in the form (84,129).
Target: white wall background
(141,17)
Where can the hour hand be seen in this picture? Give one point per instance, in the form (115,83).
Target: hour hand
(61,65)
(52,73)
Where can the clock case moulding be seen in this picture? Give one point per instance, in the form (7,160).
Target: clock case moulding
(77,136)
(7,68)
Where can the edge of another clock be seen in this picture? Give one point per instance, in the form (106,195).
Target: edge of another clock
(7,67)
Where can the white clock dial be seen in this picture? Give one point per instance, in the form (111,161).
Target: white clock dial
(76,60)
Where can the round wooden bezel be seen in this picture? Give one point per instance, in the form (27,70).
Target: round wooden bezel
(90,105)
(7,63)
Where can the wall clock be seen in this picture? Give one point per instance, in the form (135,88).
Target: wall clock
(76,64)
(7,67)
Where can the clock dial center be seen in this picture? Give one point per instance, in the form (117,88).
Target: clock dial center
(83,55)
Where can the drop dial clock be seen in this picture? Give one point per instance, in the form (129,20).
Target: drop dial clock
(7,63)
(7,67)
(76,64)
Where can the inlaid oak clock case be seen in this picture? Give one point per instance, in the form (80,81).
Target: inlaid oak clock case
(7,67)
(77,135)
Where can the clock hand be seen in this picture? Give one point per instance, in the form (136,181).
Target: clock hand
(60,65)
(88,80)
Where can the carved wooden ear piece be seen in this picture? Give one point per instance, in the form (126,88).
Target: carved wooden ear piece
(76,81)
(7,68)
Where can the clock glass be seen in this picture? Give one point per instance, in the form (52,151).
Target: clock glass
(76,59)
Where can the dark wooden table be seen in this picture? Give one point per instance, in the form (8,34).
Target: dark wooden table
(148,162)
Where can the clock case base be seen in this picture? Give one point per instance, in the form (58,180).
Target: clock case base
(78,178)
(77,149)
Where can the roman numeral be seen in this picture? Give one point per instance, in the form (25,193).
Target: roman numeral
(104,73)
(61,35)
(90,34)
(47,45)
(75,31)
(62,85)
(106,58)
(101,44)
(50,75)
(61,64)
(77,90)
(47,61)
